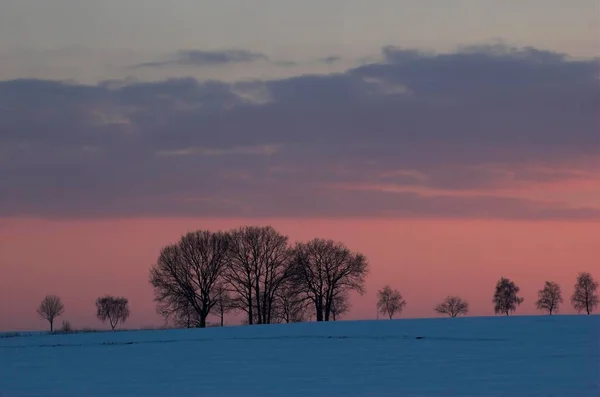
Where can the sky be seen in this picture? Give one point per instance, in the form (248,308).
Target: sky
(452,143)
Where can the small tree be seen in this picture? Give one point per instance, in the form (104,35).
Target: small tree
(291,306)
(585,296)
(390,301)
(506,299)
(224,303)
(112,308)
(453,306)
(66,327)
(340,304)
(550,298)
(50,308)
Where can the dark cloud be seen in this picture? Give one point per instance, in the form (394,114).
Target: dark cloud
(325,60)
(478,119)
(198,58)
(330,59)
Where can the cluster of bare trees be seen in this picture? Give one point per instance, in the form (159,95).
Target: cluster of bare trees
(254,270)
(113,309)
(506,298)
(584,298)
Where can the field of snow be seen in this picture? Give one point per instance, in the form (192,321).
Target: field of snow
(514,356)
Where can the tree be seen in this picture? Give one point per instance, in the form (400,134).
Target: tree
(224,302)
(258,265)
(339,305)
(187,274)
(585,296)
(390,301)
(549,298)
(290,304)
(506,299)
(453,306)
(50,308)
(182,314)
(66,327)
(324,269)
(114,309)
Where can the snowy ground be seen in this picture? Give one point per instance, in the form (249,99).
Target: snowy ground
(515,356)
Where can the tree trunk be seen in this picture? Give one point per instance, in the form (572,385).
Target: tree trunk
(202,320)
(51,325)
(319,310)
(221,319)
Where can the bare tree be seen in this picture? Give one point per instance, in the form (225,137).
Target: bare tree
(325,269)
(506,299)
(113,309)
(549,298)
(340,304)
(180,313)
(453,306)
(50,308)
(66,327)
(390,301)
(259,264)
(585,296)
(186,274)
(224,302)
(291,305)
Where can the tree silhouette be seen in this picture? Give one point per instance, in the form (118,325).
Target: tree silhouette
(549,298)
(324,269)
(390,301)
(258,265)
(453,306)
(112,308)
(186,275)
(585,296)
(340,304)
(50,308)
(506,299)
(291,305)
(224,303)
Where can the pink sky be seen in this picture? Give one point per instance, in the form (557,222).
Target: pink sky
(425,259)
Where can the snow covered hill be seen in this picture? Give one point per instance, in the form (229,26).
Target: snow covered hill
(514,356)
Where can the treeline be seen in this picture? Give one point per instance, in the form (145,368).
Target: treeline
(257,271)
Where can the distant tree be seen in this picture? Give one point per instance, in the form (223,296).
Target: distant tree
(453,306)
(585,296)
(114,309)
(390,301)
(186,275)
(339,305)
(50,308)
(325,269)
(549,298)
(180,313)
(66,327)
(506,299)
(291,305)
(258,265)
(224,302)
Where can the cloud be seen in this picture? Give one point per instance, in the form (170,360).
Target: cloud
(260,150)
(483,132)
(198,58)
